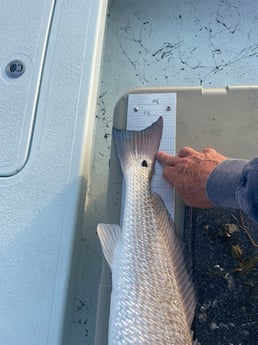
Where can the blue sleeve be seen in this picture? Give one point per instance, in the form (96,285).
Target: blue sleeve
(234,183)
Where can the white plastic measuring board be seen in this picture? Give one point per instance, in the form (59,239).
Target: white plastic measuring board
(143,110)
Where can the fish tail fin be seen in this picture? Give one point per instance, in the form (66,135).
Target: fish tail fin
(138,145)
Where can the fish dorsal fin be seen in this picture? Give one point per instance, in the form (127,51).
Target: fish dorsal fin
(109,235)
(176,246)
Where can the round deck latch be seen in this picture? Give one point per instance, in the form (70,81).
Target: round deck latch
(15,69)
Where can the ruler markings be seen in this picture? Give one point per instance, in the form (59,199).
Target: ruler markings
(143,110)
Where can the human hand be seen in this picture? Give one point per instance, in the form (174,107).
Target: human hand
(188,173)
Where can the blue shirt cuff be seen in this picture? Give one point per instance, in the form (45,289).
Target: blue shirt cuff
(223,183)
(234,183)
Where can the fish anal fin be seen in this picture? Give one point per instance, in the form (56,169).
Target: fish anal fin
(176,248)
(109,236)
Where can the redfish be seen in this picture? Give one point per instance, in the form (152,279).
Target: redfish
(153,298)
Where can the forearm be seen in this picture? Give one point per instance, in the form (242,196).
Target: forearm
(234,183)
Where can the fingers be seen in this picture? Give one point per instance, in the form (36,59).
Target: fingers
(188,172)
(209,150)
(187,151)
(166,159)
(213,154)
(207,153)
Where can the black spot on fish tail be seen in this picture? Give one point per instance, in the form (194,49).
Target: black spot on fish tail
(144,163)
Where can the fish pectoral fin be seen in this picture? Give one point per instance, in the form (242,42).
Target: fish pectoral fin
(109,235)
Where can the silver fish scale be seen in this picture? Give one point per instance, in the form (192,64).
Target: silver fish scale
(146,305)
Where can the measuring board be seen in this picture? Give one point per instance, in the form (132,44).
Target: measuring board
(143,110)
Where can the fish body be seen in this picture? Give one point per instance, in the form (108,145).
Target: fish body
(153,298)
